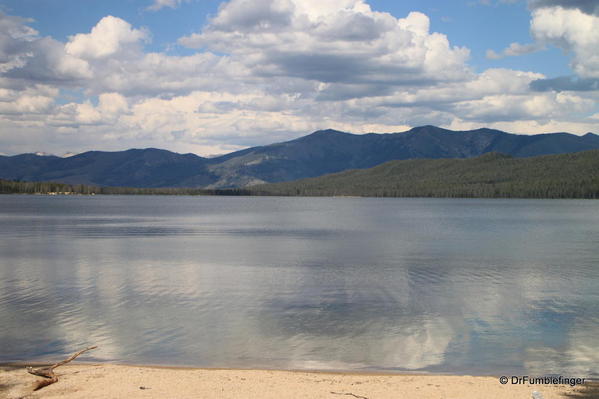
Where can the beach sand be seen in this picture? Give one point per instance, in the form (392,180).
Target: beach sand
(119,381)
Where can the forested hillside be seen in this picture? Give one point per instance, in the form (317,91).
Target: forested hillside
(491,175)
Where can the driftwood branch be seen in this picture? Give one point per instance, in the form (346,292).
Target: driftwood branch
(349,394)
(48,372)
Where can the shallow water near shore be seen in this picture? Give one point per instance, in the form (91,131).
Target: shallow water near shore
(436,285)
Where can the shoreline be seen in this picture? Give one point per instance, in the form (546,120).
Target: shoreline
(365,373)
(308,196)
(104,380)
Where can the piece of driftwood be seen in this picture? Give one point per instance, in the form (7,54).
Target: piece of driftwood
(349,394)
(48,372)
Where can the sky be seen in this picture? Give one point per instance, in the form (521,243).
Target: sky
(211,77)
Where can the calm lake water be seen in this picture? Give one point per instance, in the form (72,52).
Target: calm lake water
(440,285)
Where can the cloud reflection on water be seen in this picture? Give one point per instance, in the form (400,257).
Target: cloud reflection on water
(403,284)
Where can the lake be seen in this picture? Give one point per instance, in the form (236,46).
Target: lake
(436,285)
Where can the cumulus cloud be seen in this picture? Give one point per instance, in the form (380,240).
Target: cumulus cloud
(586,6)
(159,4)
(26,56)
(342,42)
(112,103)
(110,37)
(13,32)
(508,107)
(572,30)
(109,111)
(489,83)
(33,100)
(565,83)
(495,96)
(570,25)
(514,50)
(110,58)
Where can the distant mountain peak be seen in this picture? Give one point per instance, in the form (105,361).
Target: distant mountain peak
(437,129)
(148,149)
(428,129)
(327,134)
(328,131)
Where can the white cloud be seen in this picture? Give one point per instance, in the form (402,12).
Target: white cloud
(159,4)
(112,103)
(109,111)
(13,29)
(109,37)
(342,41)
(515,49)
(33,100)
(491,82)
(572,30)
(75,115)
(538,107)
(110,59)
(161,74)
(24,56)
(586,6)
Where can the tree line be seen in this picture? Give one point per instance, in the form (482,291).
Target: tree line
(54,188)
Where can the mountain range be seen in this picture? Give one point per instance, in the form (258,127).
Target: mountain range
(319,153)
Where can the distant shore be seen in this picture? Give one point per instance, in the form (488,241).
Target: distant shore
(123,381)
(492,175)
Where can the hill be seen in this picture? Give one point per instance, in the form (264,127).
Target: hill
(135,168)
(491,175)
(322,152)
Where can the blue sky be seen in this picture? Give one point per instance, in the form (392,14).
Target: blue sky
(468,23)
(210,76)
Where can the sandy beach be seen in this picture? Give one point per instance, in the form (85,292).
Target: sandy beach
(120,381)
